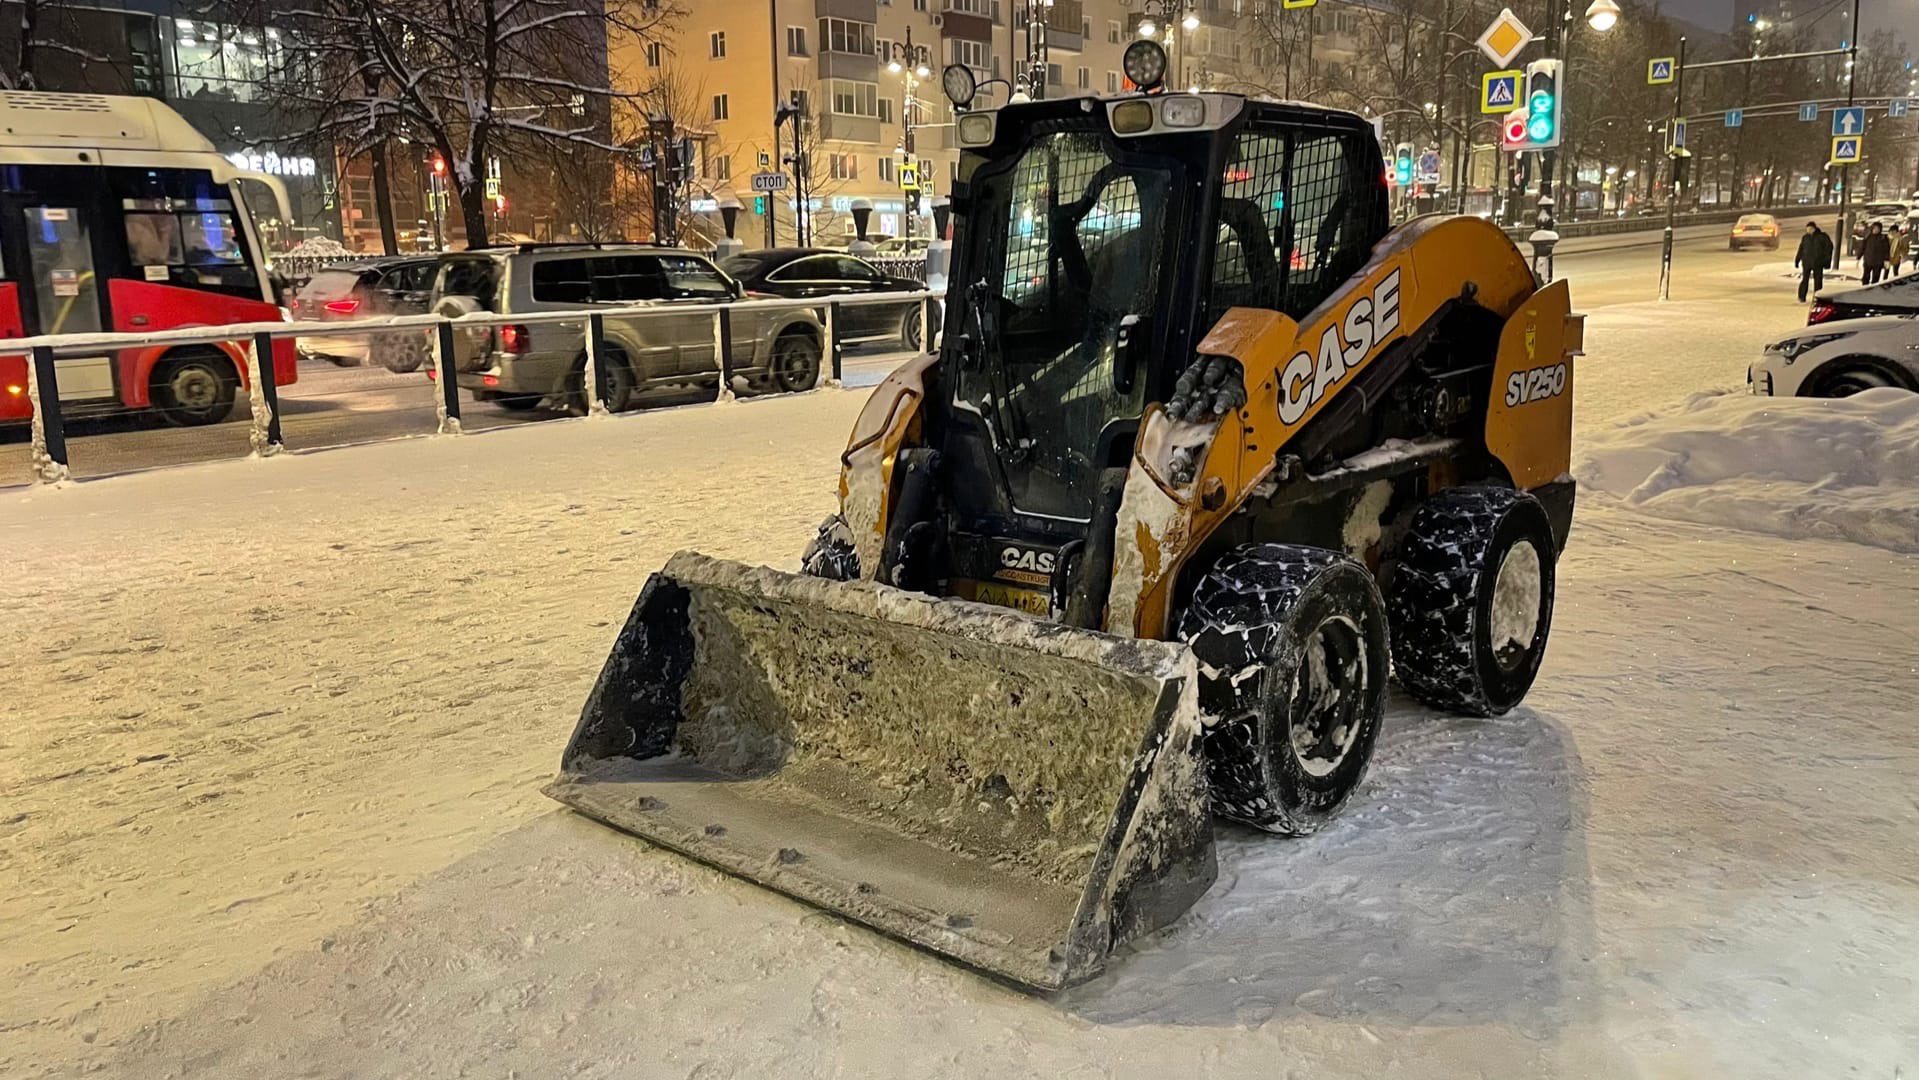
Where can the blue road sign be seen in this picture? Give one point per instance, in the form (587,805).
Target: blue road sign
(1846,149)
(1659,71)
(1809,112)
(1735,117)
(1896,107)
(1849,120)
(1678,134)
(1499,91)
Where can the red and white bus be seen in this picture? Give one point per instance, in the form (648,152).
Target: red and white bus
(116,215)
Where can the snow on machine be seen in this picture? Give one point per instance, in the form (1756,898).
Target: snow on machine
(1207,447)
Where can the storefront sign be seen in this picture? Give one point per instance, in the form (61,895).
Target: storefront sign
(273,164)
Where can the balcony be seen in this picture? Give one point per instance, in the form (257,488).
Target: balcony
(839,65)
(865,11)
(843,128)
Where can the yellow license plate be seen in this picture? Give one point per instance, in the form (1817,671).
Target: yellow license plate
(1028,600)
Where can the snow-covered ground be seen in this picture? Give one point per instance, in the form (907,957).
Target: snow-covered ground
(1801,467)
(270,756)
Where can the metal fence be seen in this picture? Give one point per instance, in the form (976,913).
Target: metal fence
(49,442)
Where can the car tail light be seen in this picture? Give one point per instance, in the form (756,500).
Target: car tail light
(514,339)
(343,307)
(489,380)
(1820,313)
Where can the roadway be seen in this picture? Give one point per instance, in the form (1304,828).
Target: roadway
(333,406)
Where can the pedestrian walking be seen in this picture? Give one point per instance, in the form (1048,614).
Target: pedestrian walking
(1815,255)
(1874,254)
(1901,248)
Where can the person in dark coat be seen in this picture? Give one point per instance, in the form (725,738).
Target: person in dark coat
(1874,253)
(1815,255)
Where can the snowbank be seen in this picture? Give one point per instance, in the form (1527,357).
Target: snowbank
(1785,269)
(1797,467)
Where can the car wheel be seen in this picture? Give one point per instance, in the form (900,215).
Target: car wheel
(616,382)
(796,362)
(913,328)
(1855,375)
(194,389)
(406,355)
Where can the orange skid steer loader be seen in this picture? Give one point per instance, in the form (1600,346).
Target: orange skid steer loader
(1208,453)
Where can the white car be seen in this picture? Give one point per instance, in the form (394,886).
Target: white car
(1840,359)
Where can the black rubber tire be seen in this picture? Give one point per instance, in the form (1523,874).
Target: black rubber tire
(619,382)
(178,382)
(1251,622)
(911,332)
(1440,595)
(794,365)
(406,357)
(1851,375)
(830,554)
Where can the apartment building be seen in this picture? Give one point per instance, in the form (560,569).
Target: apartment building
(854,67)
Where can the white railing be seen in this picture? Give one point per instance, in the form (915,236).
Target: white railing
(49,428)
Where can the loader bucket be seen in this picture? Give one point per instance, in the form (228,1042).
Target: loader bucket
(1017,795)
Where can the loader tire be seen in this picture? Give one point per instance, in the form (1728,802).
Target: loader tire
(830,554)
(1292,650)
(1470,596)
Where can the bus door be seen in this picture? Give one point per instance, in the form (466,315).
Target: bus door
(54,287)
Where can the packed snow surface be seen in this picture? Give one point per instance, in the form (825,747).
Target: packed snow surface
(1846,468)
(274,733)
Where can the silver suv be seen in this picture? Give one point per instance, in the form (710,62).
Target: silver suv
(523,366)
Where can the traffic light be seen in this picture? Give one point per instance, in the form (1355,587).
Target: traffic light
(439,165)
(1403,165)
(759,201)
(1512,130)
(1544,104)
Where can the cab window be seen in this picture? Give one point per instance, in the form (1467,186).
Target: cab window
(1299,214)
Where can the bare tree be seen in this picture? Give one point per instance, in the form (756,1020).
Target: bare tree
(44,26)
(470,78)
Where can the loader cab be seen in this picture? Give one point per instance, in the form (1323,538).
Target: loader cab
(1097,242)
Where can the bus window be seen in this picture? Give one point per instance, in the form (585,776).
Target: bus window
(189,242)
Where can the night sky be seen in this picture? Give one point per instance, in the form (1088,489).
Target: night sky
(1900,15)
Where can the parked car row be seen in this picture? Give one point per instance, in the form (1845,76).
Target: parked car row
(526,366)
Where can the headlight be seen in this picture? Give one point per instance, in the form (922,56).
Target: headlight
(1793,348)
(975,129)
(1182,112)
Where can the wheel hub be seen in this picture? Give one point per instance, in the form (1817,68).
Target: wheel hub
(1329,692)
(195,388)
(1516,601)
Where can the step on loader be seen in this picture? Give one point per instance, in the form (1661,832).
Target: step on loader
(1208,452)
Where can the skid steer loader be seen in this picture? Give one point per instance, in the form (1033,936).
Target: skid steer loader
(1208,450)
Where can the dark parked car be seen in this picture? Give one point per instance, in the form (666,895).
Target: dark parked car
(401,285)
(1900,296)
(806,273)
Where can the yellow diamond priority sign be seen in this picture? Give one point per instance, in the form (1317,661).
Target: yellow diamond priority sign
(1504,38)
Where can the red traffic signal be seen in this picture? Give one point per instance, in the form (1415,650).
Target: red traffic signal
(439,165)
(1513,130)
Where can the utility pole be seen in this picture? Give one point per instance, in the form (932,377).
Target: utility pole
(1845,171)
(785,112)
(1672,193)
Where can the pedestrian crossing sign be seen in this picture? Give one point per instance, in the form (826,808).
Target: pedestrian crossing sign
(1498,91)
(909,178)
(1847,149)
(1659,71)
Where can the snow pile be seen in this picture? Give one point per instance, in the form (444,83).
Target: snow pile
(1797,467)
(317,247)
(1850,272)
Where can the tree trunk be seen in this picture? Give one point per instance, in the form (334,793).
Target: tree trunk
(473,210)
(383,200)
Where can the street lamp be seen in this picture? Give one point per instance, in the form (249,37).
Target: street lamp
(1156,12)
(1603,15)
(912,63)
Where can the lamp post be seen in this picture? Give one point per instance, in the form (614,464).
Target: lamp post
(911,63)
(1161,16)
(1601,16)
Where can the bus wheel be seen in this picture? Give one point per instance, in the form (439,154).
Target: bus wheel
(194,389)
